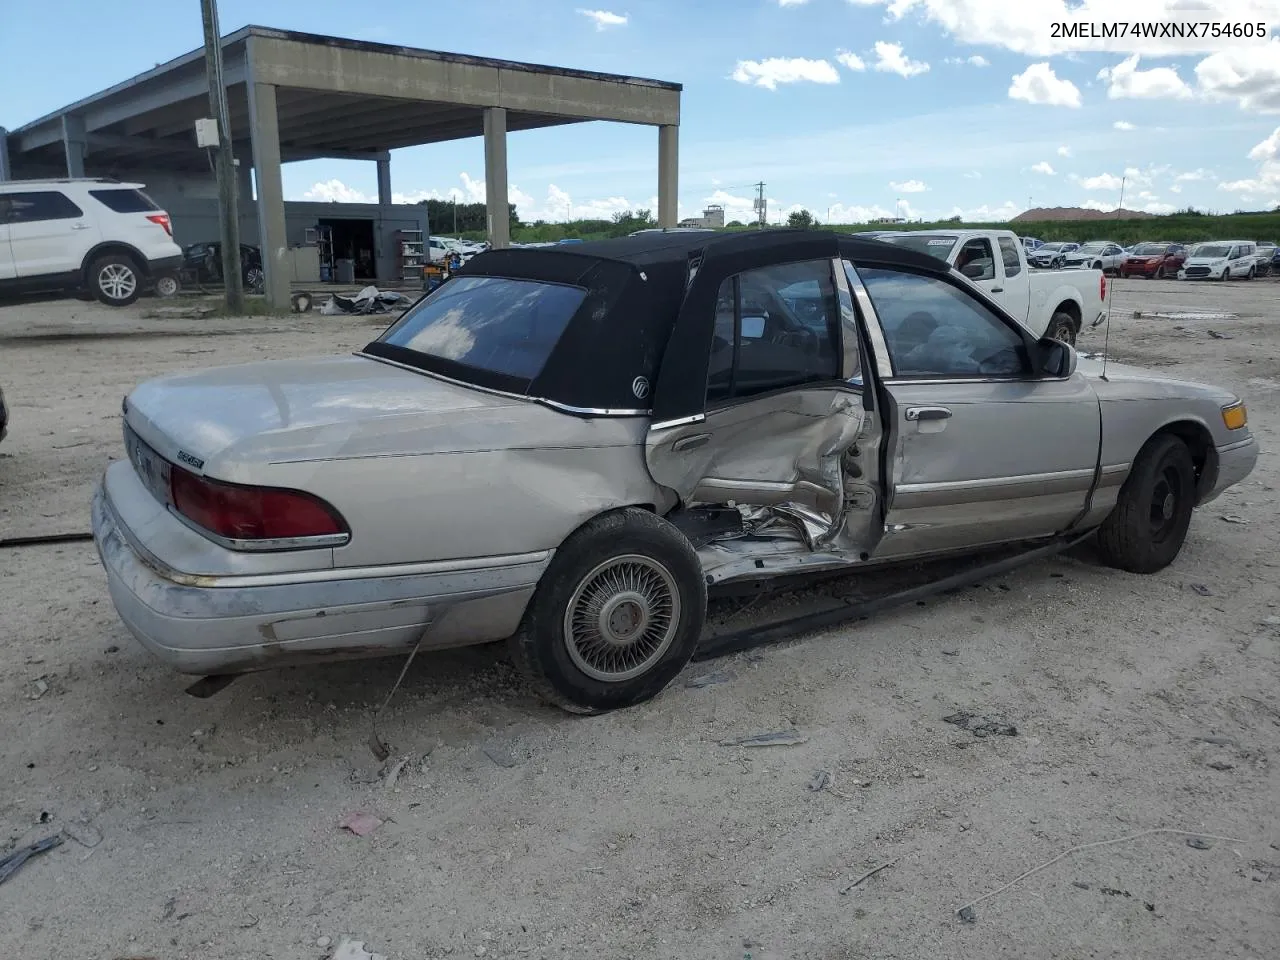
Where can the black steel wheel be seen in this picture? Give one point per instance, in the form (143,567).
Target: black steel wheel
(1146,530)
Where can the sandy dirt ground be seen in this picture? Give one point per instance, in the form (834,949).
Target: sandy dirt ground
(210,829)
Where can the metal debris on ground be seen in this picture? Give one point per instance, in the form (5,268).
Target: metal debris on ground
(981,726)
(14,861)
(1221,764)
(41,688)
(359,823)
(1199,843)
(500,755)
(1219,336)
(709,679)
(391,773)
(821,780)
(1201,589)
(85,834)
(868,875)
(1232,518)
(1268,870)
(967,915)
(369,300)
(354,950)
(779,738)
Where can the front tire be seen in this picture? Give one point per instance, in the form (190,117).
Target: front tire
(1146,530)
(616,616)
(115,280)
(1062,327)
(1159,273)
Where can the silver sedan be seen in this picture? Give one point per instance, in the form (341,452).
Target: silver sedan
(568,448)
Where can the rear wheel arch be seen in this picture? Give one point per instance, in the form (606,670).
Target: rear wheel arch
(115,247)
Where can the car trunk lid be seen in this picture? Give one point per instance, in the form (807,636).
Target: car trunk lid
(221,420)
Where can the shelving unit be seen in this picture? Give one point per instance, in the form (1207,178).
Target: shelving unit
(412,254)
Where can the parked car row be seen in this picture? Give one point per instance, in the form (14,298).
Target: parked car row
(1229,260)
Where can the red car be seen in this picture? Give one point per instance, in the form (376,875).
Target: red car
(1154,260)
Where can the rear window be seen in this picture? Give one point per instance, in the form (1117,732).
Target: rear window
(124,201)
(493,324)
(935,245)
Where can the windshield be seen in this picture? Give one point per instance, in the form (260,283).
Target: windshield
(1215,251)
(493,324)
(1150,249)
(1050,247)
(934,244)
(1094,247)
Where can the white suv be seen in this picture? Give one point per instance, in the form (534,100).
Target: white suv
(106,237)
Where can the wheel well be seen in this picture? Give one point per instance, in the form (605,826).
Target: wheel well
(1203,452)
(1071,309)
(103,249)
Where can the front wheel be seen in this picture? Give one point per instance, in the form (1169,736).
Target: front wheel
(1160,273)
(1146,530)
(616,616)
(1062,327)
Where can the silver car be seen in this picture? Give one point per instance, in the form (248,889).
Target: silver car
(569,447)
(1097,255)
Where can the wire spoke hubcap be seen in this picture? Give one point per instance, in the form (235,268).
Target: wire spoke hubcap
(117,281)
(622,618)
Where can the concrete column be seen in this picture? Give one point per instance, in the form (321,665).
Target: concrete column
(495,177)
(244,178)
(73,144)
(384,177)
(668,175)
(265,124)
(6,171)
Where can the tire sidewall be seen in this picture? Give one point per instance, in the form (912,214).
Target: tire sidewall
(542,636)
(1059,323)
(1162,452)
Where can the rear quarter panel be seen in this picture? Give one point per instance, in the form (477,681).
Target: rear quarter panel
(510,498)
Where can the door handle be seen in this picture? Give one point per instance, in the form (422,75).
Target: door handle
(928,413)
(997,289)
(79,226)
(691,443)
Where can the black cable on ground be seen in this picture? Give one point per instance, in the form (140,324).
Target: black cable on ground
(44,540)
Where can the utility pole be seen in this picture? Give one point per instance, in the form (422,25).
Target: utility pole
(762,206)
(228,210)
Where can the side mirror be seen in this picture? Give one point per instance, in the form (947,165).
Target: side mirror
(1057,359)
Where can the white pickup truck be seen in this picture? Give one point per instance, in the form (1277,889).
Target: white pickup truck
(1049,303)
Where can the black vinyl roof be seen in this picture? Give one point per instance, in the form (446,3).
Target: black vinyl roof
(643,305)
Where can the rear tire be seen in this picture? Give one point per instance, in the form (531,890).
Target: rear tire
(615,617)
(1146,530)
(1062,327)
(167,285)
(115,280)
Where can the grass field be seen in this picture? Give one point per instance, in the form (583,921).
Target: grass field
(1177,227)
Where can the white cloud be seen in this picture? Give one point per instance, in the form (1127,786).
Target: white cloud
(851,60)
(1126,82)
(1064,151)
(1123,125)
(603,19)
(1175,189)
(974,61)
(973,175)
(910,186)
(1266,184)
(1248,74)
(1103,181)
(1159,208)
(335,191)
(979,61)
(891,59)
(1039,84)
(985,213)
(1043,167)
(791,3)
(1197,174)
(1027,27)
(775,70)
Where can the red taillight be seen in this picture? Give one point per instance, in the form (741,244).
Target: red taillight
(1102,287)
(163,220)
(237,512)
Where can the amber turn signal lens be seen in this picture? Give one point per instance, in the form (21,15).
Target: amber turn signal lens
(1235,416)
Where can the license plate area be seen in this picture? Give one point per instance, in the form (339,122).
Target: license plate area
(152,469)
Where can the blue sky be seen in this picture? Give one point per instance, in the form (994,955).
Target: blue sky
(852,108)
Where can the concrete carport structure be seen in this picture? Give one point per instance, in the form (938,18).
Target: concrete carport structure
(295,96)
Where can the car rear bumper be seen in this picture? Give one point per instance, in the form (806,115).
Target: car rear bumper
(1235,462)
(235,624)
(162,265)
